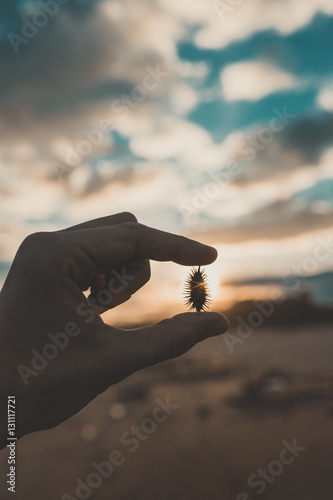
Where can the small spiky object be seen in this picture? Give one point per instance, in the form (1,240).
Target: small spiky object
(196,290)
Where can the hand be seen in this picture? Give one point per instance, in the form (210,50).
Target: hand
(56,353)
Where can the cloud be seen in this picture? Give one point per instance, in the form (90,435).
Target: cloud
(226,24)
(183,98)
(325,97)
(265,201)
(81,59)
(171,138)
(254,80)
(219,23)
(310,135)
(69,77)
(138,189)
(66,79)
(267,155)
(279,220)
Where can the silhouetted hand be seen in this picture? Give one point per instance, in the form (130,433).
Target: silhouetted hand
(56,353)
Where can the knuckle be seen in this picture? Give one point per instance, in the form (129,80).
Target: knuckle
(38,248)
(38,240)
(129,217)
(131,226)
(131,229)
(130,234)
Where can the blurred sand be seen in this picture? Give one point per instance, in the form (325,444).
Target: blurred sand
(234,412)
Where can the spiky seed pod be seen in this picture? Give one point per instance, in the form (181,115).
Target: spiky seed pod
(196,290)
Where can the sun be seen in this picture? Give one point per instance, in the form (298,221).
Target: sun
(213,273)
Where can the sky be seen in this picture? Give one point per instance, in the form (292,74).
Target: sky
(210,119)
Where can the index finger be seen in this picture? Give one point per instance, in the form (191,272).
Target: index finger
(106,246)
(103,221)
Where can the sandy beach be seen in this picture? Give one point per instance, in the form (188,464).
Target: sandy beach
(230,416)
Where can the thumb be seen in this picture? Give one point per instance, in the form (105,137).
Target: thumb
(175,336)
